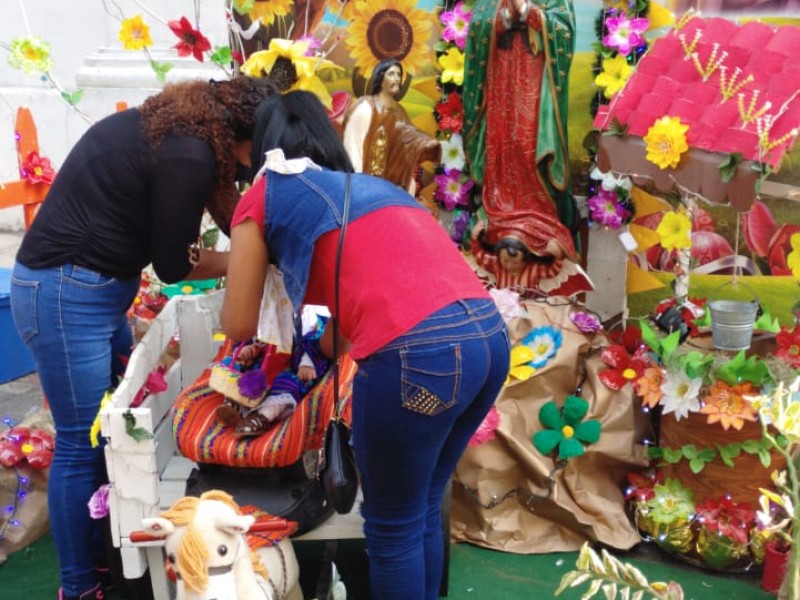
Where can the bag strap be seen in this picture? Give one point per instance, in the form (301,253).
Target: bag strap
(337,415)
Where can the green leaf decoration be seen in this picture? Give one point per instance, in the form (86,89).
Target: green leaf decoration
(705,319)
(72,98)
(655,452)
(440,47)
(689,451)
(222,56)
(161,69)
(751,446)
(741,369)
(766,322)
(672,455)
(663,348)
(696,364)
(550,416)
(707,454)
(765,457)
(649,336)
(727,168)
(546,440)
(697,465)
(588,431)
(137,433)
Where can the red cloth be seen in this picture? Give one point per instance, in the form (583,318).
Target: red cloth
(398,267)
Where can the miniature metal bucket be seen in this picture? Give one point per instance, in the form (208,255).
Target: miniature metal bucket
(732,323)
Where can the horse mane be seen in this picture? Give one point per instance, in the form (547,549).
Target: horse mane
(192,550)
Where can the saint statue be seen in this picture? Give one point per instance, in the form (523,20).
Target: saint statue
(378,135)
(517,62)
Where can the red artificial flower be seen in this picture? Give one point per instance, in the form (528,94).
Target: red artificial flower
(624,368)
(640,485)
(191,40)
(37,169)
(788,341)
(20,444)
(154,384)
(731,519)
(779,248)
(451,113)
(629,338)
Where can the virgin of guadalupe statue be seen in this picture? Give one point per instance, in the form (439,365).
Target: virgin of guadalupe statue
(517,61)
(378,135)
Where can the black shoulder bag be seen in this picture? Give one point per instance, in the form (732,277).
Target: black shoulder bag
(338,473)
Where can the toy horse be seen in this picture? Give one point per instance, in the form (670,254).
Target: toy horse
(208,553)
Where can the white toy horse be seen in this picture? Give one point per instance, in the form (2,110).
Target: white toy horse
(206,548)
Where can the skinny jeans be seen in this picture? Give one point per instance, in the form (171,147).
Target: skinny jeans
(416,403)
(73,321)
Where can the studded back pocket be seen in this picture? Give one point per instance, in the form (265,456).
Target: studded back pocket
(431,377)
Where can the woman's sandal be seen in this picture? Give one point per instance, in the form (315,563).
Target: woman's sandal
(228,414)
(254,424)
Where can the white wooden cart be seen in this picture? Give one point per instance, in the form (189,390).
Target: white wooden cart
(148,476)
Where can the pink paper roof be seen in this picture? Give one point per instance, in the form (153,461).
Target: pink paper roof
(668,83)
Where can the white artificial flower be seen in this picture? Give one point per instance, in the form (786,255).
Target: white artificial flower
(680,394)
(610,182)
(453,153)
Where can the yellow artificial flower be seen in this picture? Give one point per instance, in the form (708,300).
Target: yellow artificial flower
(343,8)
(286,64)
(268,10)
(666,142)
(674,231)
(452,63)
(614,75)
(134,34)
(94,432)
(382,29)
(31,54)
(659,16)
(793,258)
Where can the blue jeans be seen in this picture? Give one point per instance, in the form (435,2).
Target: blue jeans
(416,403)
(73,321)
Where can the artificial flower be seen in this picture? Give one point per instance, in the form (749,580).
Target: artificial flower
(192,42)
(564,429)
(726,517)
(793,258)
(98,503)
(134,34)
(453,153)
(614,75)
(451,113)
(610,182)
(314,44)
(670,502)
(606,209)
(648,386)
(630,337)
(586,322)
(25,445)
(640,485)
(519,366)
(30,54)
(725,404)
(624,34)
(154,384)
(266,12)
(460,222)
(94,430)
(286,63)
(397,29)
(624,368)
(485,433)
(456,25)
(788,341)
(680,394)
(37,169)
(452,189)
(343,8)
(507,302)
(452,64)
(666,142)
(674,230)
(544,342)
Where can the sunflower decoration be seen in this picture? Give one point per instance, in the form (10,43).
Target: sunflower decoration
(342,8)
(134,34)
(383,29)
(666,142)
(265,11)
(287,65)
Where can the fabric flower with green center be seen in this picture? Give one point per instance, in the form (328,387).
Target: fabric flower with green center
(564,428)
(666,142)
(674,230)
(614,75)
(671,502)
(30,54)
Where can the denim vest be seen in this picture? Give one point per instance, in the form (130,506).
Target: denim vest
(301,207)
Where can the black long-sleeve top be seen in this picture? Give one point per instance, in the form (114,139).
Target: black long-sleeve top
(117,205)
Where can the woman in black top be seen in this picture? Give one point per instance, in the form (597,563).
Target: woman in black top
(131,192)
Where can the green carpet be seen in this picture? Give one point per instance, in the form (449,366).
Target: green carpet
(475,573)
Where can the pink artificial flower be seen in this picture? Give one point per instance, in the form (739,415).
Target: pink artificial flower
(485,432)
(191,40)
(154,384)
(605,209)
(450,190)
(313,44)
(98,503)
(586,322)
(624,34)
(37,169)
(456,24)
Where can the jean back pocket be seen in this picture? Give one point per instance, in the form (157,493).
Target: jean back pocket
(431,377)
(23,307)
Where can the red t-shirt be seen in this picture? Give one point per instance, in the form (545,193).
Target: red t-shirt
(398,267)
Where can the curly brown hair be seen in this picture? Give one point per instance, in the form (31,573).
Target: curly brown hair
(221,113)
